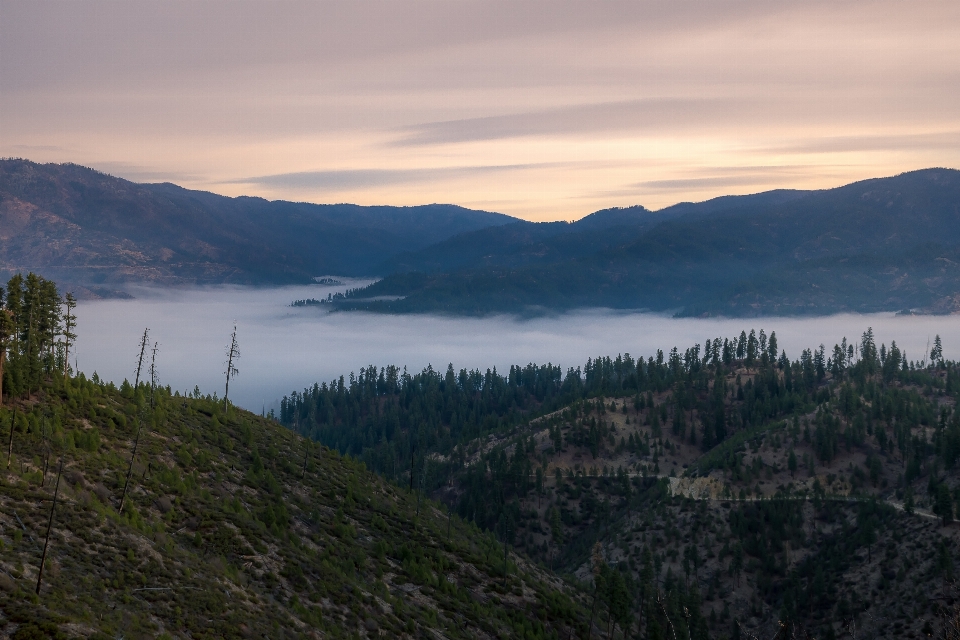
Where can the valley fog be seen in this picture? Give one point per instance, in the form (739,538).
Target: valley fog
(286,348)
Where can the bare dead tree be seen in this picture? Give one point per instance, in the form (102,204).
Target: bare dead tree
(233,354)
(13,425)
(597,561)
(143,351)
(153,373)
(306,455)
(46,448)
(505,566)
(133,457)
(46,542)
(423,477)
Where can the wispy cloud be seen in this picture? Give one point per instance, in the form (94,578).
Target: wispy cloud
(727,178)
(348,179)
(721,182)
(877,142)
(631,116)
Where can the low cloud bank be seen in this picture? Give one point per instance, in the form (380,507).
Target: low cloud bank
(285,348)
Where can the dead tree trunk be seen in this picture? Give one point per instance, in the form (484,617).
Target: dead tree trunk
(133,457)
(46,542)
(143,351)
(306,456)
(13,425)
(153,374)
(233,353)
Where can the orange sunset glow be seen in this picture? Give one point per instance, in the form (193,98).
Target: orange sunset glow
(540,110)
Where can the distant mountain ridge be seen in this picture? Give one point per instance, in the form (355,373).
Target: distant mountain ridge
(85,227)
(885,244)
(525,243)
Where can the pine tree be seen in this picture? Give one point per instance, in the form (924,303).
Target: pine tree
(936,354)
(742,346)
(7,333)
(751,351)
(29,333)
(820,364)
(69,324)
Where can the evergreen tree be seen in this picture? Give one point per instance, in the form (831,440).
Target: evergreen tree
(30,326)
(70,323)
(936,353)
(820,364)
(742,346)
(7,333)
(751,350)
(868,352)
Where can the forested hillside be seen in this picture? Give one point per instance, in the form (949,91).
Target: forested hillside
(525,243)
(728,478)
(138,512)
(726,490)
(887,244)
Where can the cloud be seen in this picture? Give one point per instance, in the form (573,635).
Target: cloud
(287,349)
(348,179)
(619,117)
(877,142)
(33,148)
(141,173)
(682,184)
(723,178)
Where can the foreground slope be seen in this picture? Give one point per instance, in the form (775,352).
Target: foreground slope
(233,526)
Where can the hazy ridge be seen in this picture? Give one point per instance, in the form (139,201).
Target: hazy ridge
(87,228)
(888,244)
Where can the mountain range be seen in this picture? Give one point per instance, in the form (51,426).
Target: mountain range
(885,244)
(90,229)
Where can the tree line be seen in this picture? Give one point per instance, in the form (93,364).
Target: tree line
(36,333)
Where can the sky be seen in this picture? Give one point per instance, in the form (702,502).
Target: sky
(542,110)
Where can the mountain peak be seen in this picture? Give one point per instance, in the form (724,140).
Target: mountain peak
(614,217)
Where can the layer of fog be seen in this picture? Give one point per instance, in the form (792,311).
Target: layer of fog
(286,348)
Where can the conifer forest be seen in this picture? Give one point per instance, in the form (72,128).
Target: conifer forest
(724,490)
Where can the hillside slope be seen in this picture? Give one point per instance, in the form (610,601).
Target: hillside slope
(752,489)
(83,227)
(233,526)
